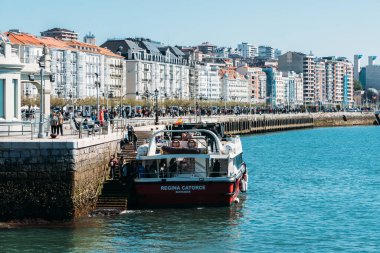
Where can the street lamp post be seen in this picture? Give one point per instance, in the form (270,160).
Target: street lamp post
(97,84)
(156,98)
(41,123)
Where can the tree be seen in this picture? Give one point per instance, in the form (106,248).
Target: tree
(357,85)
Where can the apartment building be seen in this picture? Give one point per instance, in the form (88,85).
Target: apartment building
(151,65)
(60,34)
(75,65)
(233,86)
(257,85)
(247,50)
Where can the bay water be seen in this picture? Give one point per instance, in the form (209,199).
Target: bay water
(314,190)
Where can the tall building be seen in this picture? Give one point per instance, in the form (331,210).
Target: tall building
(301,63)
(320,82)
(207,48)
(371,60)
(89,39)
(247,50)
(357,59)
(60,34)
(151,65)
(266,52)
(277,53)
(334,83)
(371,76)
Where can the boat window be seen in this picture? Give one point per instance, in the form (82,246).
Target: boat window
(238,160)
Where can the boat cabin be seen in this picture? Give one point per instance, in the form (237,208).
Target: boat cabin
(199,153)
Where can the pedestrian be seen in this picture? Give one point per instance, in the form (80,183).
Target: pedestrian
(134,139)
(54,123)
(51,123)
(60,124)
(124,170)
(112,165)
(130,132)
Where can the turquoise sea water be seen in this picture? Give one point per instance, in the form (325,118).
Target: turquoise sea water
(310,191)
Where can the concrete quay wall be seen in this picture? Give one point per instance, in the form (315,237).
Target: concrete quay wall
(343,119)
(53,179)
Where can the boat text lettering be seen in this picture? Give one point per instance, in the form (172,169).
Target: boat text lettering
(183,188)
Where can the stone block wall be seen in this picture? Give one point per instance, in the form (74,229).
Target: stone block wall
(52,179)
(343,119)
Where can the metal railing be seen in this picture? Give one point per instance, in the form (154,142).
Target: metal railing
(23,128)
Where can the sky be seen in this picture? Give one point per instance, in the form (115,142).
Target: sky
(325,27)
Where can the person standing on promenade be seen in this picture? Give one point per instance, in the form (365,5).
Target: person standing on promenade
(60,124)
(54,123)
(51,123)
(130,132)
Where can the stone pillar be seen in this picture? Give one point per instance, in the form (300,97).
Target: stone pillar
(10,85)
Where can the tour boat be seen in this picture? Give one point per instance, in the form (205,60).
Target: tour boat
(189,167)
(377,115)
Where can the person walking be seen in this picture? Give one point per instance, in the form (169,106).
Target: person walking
(60,124)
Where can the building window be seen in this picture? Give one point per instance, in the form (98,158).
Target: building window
(2,98)
(15,96)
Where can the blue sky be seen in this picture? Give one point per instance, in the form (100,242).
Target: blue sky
(326,27)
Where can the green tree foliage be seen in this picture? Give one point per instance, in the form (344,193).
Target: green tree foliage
(357,85)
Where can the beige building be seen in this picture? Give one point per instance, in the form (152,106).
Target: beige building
(258,81)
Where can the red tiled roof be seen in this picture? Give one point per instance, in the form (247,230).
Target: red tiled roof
(29,39)
(231,72)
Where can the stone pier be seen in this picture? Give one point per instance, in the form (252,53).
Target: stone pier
(53,179)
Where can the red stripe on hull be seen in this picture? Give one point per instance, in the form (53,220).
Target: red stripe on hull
(181,194)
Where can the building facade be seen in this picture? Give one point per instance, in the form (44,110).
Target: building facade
(266,52)
(152,65)
(75,65)
(207,83)
(60,34)
(233,86)
(257,83)
(247,50)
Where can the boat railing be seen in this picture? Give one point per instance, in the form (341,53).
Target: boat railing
(199,142)
(182,174)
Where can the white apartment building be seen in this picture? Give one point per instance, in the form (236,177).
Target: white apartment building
(293,84)
(248,50)
(75,65)
(234,86)
(335,78)
(207,82)
(151,65)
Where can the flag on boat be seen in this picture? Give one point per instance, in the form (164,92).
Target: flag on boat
(179,121)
